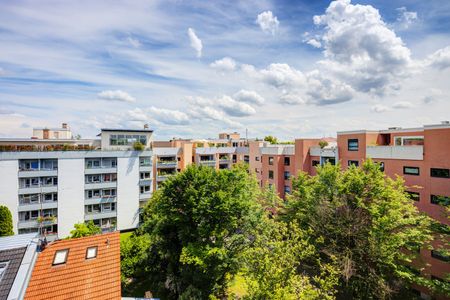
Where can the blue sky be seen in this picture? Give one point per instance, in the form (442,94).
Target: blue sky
(195,68)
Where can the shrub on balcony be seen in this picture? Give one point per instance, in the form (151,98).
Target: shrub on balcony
(6,224)
(85,229)
(323,144)
(138,146)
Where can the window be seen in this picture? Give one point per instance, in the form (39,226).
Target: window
(91,252)
(257,158)
(381,166)
(441,173)
(145,161)
(3,266)
(411,171)
(145,189)
(439,254)
(270,174)
(440,200)
(287,161)
(352,144)
(287,175)
(287,189)
(353,163)
(60,257)
(145,175)
(414,196)
(315,163)
(270,160)
(408,140)
(246,158)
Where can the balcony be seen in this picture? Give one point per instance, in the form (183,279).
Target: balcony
(209,163)
(161,164)
(323,152)
(145,196)
(162,177)
(100,200)
(100,215)
(24,173)
(26,206)
(395,152)
(100,170)
(33,223)
(36,189)
(101,185)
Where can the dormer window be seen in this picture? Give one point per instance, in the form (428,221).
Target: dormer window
(91,252)
(60,257)
(3,267)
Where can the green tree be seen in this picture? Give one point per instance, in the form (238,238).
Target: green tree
(6,223)
(364,225)
(197,226)
(271,139)
(138,146)
(85,229)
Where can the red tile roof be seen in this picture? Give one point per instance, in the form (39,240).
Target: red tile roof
(78,278)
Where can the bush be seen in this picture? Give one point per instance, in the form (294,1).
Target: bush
(6,224)
(323,144)
(138,146)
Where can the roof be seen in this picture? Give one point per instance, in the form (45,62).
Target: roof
(127,130)
(80,278)
(16,241)
(278,150)
(13,257)
(166,151)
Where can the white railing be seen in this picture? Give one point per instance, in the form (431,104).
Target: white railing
(395,152)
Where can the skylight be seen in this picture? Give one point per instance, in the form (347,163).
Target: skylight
(60,257)
(91,252)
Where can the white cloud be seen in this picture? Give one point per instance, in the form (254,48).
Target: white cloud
(315,43)
(224,64)
(200,112)
(134,42)
(249,96)
(360,48)
(379,108)
(234,108)
(433,96)
(116,95)
(327,90)
(405,18)
(402,105)
(168,116)
(268,22)
(196,43)
(292,99)
(282,75)
(439,59)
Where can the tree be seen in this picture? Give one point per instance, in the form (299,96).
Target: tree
(271,139)
(323,144)
(138,146)
(85,229)
(364,225)
(6,223)
(197,226)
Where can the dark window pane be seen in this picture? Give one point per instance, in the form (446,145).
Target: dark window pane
(441,173)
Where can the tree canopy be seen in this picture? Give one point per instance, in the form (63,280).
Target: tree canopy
(271,139)
(85,229)
(6,223)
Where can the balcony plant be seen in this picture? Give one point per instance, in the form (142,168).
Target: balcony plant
(49,219)
(138,146)
(323,144)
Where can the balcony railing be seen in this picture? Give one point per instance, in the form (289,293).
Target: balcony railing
(395,152)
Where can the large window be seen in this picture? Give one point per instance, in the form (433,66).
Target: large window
(127,140)
(408,140)
(270,160)
(145,161)
(353,145)
(440,200)
(287,175)
(411,171)
(60,257)
(441,173)
(270,174)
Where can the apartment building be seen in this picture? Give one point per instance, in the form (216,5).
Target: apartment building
(51,184)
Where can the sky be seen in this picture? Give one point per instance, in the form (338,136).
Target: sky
(192,69)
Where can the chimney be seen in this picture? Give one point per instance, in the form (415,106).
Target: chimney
(64,125)
(145,126)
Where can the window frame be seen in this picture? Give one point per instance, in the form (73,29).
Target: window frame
(288,160)
(405,173)
(87,252)
(440,169)
(352,148)
(270,174)
(412,196)
(65,257)
(270,160)
(351,162)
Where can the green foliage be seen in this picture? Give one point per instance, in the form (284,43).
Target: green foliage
(323,144)
(363,225)
(6,223)
(138,146)
(271,139)
(85,229)
(196,228)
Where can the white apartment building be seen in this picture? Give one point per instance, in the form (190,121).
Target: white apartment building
(51,186)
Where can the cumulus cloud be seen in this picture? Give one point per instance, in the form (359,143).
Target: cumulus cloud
(224,64)
(196,43)
(168,116)
(360,48)
(292,99)
(433,96)
(249,96)
(439,59)
(235,108)
(402,105)
(207,112)
(327,90)
(116,95)
(268,22)
(379,108)
(282,75)
(405,18)
(315,43)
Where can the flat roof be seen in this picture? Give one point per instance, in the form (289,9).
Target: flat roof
(126,130)
(16,241)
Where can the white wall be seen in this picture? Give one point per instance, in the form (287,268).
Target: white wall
(9,188)
(127,192)
(70,194)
